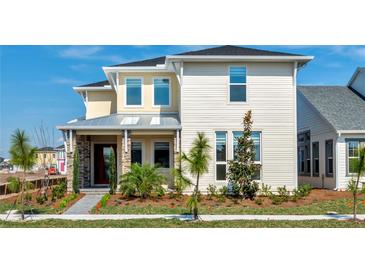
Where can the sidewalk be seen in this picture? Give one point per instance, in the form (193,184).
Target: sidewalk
(91,217)
(84,205)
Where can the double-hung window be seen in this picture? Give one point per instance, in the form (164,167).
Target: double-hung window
(161,92)
(304,152)
(315,158)
(221,155)
(133,92)
(329,158)
(256,138)
(237,84)
(353,154)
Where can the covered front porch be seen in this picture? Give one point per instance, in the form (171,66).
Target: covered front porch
(144,142)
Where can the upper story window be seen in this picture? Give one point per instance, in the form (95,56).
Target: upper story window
(161,92)
(133,92)
(237,84)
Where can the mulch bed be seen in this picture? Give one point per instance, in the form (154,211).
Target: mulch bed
(316,195)
(48,203)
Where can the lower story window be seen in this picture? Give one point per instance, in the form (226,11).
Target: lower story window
(353,153)
(329,158)
(136,153)
(162,154)
(221,155)
(315,156)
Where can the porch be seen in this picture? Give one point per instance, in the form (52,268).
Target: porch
(144,142)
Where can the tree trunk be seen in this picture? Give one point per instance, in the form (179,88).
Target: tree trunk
(195,210)
(22,195)
(355,196)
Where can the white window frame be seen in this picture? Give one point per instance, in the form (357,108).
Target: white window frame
(329,175)
(153,92)
(142,146)
(314,160)
(236,84)
(215,156)
(125,92)
(352,157)
(256,162)
(170,152)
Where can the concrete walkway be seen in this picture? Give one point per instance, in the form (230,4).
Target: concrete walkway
(84,205)
(93,217)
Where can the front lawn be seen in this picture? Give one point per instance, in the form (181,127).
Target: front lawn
(162,223)
(318,202)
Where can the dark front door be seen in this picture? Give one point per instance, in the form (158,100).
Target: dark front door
(102,162)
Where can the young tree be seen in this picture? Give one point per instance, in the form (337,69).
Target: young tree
(112,172)
(22,155)
(76,172)
(181,182)
(242,169)
(197,161)
(353,185)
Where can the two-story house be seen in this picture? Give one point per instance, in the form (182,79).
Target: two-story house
(150,111)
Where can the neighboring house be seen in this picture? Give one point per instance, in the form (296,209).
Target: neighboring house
(61,159)
(331,127)
(150,111)
(45,157)
(1,159)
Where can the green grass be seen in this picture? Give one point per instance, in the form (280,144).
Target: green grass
(161,223)
(340,206)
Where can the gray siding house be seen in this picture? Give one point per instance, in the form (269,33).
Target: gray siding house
(331,126)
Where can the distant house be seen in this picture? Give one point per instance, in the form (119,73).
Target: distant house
(61,159)
(1,159)
(45,157)
(331,127)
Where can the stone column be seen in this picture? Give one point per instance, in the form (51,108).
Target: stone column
(119,156)
(83,146)
(71,138)
(126,153)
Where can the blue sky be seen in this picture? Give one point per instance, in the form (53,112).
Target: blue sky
(36,81)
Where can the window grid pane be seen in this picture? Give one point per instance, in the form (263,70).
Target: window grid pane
(134,92)
(162,154)
(237,75)
(161,92)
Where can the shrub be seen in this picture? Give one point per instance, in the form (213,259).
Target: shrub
(181,182)
(104,200)
(59,191)
(276,199)
(223,191)
(14,186)
(67,200)
(160,191)
(112,172)
(305,190)
(258,201)
(249,191)
(265,190)
(41,199)
(234,189)
(142,181)
(28,197)
(212,191)
(283,193)
(76,172)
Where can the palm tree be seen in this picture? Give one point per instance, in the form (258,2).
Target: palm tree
(197,161)
(354,184)
(22,155)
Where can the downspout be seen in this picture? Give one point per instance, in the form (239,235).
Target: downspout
(295,69)
(337,161)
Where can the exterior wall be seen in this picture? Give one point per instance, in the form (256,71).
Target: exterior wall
(321,130)
(342,165)
(359,82)
(271,95)
(50,158)
(84,149)
(101,103)
(147,92)
(70,158)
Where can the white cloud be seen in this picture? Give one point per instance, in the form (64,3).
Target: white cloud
(350,51)
(89,53)
(79,67)
(65,81)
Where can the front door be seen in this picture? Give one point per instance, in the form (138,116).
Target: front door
(102,162)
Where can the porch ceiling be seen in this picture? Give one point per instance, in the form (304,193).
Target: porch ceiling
(125,121)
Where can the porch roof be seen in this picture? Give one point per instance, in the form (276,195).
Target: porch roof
(123,121)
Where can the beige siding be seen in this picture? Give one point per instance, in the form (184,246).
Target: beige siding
(271,97)
(147,92)
(101,103)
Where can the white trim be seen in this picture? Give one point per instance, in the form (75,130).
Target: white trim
(153,91)
(125,140)
(171,155)
(125,92)
(353,77)
(143,146)
(227,58)
(78,89)
(215,156)
(162,68)
(92,155)
(355,131)
(228,94)
(295,139)
(71,141)
(177,140)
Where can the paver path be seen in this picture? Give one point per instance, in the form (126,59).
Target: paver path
(84,205)
(91,217)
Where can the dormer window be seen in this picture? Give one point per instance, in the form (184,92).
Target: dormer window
(133,92)
(161,92)
(237,84)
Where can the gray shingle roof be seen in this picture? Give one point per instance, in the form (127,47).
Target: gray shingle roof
(339,105)
(96,84)
(127,121)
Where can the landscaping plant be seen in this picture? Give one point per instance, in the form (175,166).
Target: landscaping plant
(265,190)
(22,155)
(242,169)
(76,172)
(353,185)
(14,184)
(212,191)
(197,161)
(59,191)
(142,180)
(112,172)
(181,182)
